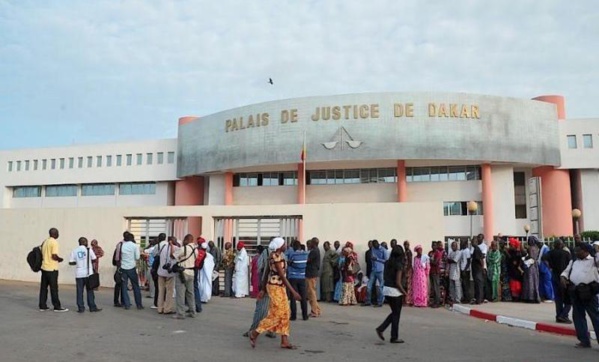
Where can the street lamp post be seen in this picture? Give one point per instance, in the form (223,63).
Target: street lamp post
(527,231)
(472,208)
(576,214)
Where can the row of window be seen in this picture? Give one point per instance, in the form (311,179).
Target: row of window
(587,141)
(265,179)
(89,162)
(138,188)
(460,208)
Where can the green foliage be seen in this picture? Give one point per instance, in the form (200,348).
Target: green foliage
(591,234)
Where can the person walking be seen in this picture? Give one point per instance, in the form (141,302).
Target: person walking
(184,285)
(82,258)
(129,256)
(50,260)
(312,272)
(277,319)
(394,292)
(329,264)
(557,260)
(581,278)
(263,300)
(229,266)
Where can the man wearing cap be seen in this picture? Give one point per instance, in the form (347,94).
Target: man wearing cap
(580,277)
(242,263)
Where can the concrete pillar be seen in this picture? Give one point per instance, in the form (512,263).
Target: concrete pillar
(488,212)
(402,185)
(301,184)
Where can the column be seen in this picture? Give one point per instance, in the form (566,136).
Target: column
(229,188)
(488,217)
(190,192)
(402,185)
(301,184)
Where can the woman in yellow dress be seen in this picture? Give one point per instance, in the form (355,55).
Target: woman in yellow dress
(277,319)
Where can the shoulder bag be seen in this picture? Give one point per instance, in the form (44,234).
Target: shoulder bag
(93,281)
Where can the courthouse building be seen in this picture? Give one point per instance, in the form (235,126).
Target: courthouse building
(344,167)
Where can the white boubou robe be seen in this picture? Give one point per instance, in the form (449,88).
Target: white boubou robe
(241,283)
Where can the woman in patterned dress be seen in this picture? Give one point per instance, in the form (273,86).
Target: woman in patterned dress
(348,295)
(506,293)
(422,268)
(408,273)
(277,319)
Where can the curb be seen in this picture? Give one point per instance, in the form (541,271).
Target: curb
(515,322)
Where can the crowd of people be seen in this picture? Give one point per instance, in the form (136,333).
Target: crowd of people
(181,276)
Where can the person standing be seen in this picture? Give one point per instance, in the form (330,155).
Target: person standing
(329,264)
(129,256)
(255,274)
(368,261)
(408,273)
(506,294)
(277,319)
(148,255)
(229,266)
(478,273)
(394,293)
(166,282)
(435,274)
(184,286)
(312,272)
(515,269)
(579,277)
(494,271)
(218,258)
(421,267)
(454,260)
(546,290)
(242,263)
(82,257)
(530,287)
(465,271)
(118,278)
(378,259)
(99,252)
(50,260)
(296,274)
(348,293)
(557,260)
(206,275)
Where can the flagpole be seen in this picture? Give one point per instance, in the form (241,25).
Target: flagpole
(304,168)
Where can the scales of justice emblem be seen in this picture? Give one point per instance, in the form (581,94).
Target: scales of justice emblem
(342,139)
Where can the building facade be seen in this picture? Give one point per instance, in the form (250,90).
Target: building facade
(347,167)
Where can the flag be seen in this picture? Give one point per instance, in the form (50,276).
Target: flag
(303,154)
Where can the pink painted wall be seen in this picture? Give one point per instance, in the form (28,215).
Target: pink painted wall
(190,192)
(557,201)
(301,184)
(558,100)
(488,207)
(229,188)
(402,184)
(187,119)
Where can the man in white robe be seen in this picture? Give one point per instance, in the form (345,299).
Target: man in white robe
(206,276)
(241,282)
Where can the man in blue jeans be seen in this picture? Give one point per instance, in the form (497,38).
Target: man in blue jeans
(296,274)
(82,258)
(129,257)
(378,265)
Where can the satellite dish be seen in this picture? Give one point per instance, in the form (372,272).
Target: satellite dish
(354,144)
(330,145)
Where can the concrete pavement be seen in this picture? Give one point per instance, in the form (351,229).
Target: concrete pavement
(342,334)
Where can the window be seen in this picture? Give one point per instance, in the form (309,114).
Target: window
(9,166)
(27,165)
(80,162)
(90,161)
(62,163)
(520,195)
(270,179)
(149,158)
(98,161)
(160,158)
(35,165)
(27,191)
(248,179)
(171,157)
(44,164)
(289,178)
(137,189)
(572,141)
(460,208)
(108,161)
(71,162)
(53,164)
(61,191)
(129,159)
(119,160)
(587,140)
(442,173)
(97,190)
(18,165)
(139,159)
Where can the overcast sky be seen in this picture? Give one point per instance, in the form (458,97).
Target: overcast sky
(75,72)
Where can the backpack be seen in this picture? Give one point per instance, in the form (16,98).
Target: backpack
(35,258)
(201,256)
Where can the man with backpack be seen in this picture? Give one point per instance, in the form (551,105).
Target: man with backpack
(50,260)
(184,268)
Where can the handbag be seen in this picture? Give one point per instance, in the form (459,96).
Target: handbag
(93,281)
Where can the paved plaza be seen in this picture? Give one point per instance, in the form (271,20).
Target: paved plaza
(342,334)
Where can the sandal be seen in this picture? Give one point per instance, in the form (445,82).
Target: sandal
(289,346)
(253,339)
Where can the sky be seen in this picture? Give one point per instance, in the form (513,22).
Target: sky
(79,72)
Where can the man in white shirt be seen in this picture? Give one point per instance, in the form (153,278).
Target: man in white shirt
(129,257)
(82,258)
(454,259)
(465,271)
(166,281)
(580,274)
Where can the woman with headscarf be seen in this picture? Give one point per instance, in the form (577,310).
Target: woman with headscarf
(348,294)
(99,253)
(206,275)
(255,273)
(394,293)
(530,286)
(545,284)
(408,273)
(242,264)
(494,271)
(277,319)
(515,269)
(229,266)
(422,268)
(506,293)
(339,283)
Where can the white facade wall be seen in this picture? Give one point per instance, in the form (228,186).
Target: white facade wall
(579,157)
(503,200)
(590,202)
(351,193)
(216,190)
(265,195)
